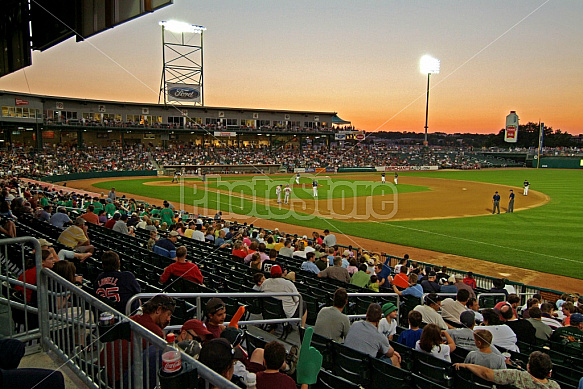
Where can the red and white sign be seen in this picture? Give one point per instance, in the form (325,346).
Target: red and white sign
(20,102)
(359,136)
(224,133)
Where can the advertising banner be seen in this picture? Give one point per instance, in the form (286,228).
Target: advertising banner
(511,132)
(340,136)
(184,92)
(224,133)
(405,168)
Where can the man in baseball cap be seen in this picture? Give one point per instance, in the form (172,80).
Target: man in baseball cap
(278,284)
(429,310)
(571,335)
(192,334)
(76,237)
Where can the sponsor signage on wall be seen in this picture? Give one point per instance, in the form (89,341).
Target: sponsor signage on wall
(184,92)
(20,102)
(224,133)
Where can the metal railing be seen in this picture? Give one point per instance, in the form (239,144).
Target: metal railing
(102,356)
(21,314)
(199,307)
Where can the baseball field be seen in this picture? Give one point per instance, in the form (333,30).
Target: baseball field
(443,211)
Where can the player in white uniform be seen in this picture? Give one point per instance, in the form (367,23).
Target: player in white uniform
(526,186)
(315,188)
(278,193)
(396,179)
(298,178)
(383,178)
(286,193)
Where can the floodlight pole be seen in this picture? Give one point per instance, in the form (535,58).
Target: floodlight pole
(425,142)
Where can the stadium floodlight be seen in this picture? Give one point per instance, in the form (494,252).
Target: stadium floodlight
(428,65)
(181,27)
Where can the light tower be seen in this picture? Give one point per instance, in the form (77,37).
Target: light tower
(428,65)
(182,71)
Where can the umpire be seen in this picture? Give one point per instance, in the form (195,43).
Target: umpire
(496,202)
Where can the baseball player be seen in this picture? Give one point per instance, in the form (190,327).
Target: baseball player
(511,202)
(526,186)
(297,178)
(278,193)
(496,203)
(396,179)
(383,177)
(315,188)
(286,193)
(177,175)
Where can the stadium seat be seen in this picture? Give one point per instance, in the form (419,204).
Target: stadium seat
(252,342)
(272,308)
(433,369)
(465,379)
(459,355)
(406,355)
(419,382)
(351,364)
(384,374)
(327,380)
(566,377)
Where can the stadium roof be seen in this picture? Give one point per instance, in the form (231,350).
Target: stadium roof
(337,120)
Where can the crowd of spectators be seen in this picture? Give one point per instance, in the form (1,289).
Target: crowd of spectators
(27,162)
(59,160)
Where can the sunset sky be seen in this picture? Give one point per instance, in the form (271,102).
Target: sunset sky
(360,59)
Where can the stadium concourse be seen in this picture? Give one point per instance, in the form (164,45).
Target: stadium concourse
(206,244)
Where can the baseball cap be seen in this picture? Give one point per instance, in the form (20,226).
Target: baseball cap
(442,280)
(388,308)
(346,253)
(451,279)
(459,277)
(576,318)
(80,221)
(44,242)
(431,274)
(467,318)
(214,305)
(217,354)
(233,335)
(432,298)
(276,269)
(196,326)
(173,233)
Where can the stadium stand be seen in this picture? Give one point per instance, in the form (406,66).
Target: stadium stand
(225,273)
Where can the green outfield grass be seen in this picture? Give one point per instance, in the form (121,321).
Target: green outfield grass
(546,238)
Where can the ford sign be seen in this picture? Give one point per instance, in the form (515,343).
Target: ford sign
(183,92)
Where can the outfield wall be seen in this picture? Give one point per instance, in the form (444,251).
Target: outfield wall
(87,175)
(559,163)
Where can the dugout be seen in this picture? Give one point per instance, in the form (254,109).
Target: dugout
(559,163)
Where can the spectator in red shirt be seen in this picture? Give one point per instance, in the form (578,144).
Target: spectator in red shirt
(182,268)
(401,280)
(29,276)
(90,216)
(470,280)
(111,222)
